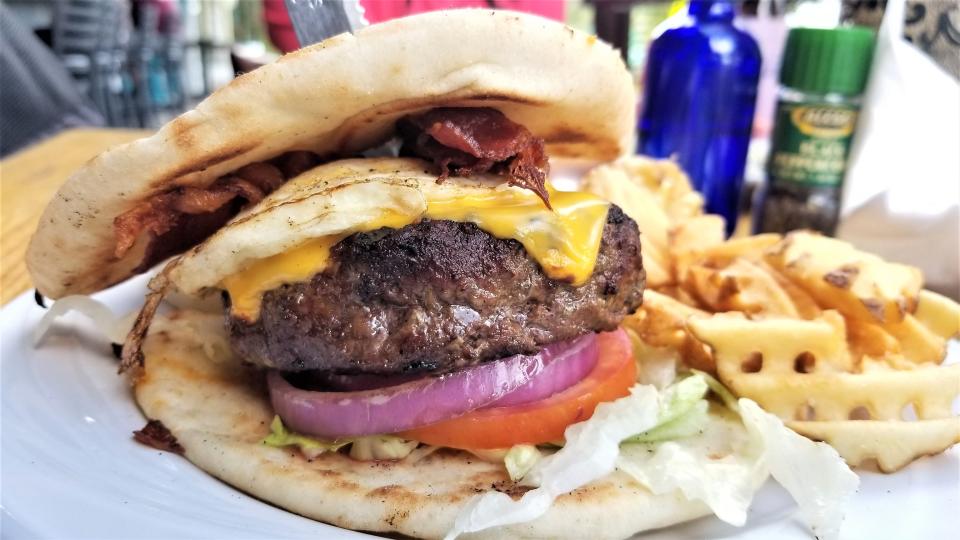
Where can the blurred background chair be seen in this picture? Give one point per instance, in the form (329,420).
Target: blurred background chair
(91,38)
(156,60)
(39,96)
(144,46)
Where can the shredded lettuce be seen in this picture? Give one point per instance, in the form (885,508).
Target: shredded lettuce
(679,398)
(520,460)
(490,455)
(692,422)
(720,466)
(380,447)
(671,446)
(721,391)
(683,412)
(710,467)
(374,447)
(420,453)
(590,453)
(812,472)
(280,437)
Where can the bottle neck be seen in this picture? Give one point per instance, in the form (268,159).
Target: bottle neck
(711,10)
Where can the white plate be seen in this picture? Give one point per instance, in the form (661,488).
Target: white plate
(71,470)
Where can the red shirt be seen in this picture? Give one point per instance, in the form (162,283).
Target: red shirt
(283,37)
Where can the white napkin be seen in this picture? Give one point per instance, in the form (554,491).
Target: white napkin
(902,188)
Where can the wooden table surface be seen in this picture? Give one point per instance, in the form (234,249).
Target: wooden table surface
(28,179)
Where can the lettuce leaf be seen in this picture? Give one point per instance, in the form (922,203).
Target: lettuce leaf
(381,447)
(683,412)
(374,447)
(725,464)
(280,437)
(812,472)
(490,455)
(693,421)
(670,445)
(719,390)
(719,466)
(520,459)
(590,453)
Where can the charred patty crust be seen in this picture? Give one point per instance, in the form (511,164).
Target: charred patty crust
(436,296)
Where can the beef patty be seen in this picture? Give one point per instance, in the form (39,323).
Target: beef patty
(436,296)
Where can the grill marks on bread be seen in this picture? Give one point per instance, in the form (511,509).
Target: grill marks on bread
(180,218)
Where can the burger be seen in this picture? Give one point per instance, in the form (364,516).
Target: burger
(413,331)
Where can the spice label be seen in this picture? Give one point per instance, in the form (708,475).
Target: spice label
(811,143)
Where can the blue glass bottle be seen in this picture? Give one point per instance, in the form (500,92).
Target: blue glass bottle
(700,88)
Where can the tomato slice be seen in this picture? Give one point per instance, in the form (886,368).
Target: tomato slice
(545,420)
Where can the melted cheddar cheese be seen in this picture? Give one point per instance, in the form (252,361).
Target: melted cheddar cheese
(564,241)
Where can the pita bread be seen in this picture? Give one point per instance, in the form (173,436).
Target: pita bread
(335,98)
(218,411)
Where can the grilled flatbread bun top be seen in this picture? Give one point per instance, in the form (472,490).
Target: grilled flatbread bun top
(337,198)
(336,98)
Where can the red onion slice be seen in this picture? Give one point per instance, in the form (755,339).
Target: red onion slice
(398,408)
(337,382)
(563,367)
(401,407)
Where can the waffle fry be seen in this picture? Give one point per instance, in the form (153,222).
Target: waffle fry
(802,371)
(677,293)
(744,286)
(659,197)
(867,339)
(858,284)
(773,346)
(749,247)
(720,255)
(662,325)
(696,234)
(939,314)
(893,445)
(804,304)
(834,341)
(918,344)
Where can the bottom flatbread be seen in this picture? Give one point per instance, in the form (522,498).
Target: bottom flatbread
(218,410)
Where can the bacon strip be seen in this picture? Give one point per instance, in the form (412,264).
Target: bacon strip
(462,141)
(161,212)
(468,141)
(155,215)
(156,435)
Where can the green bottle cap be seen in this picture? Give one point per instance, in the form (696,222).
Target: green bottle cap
(827,61)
